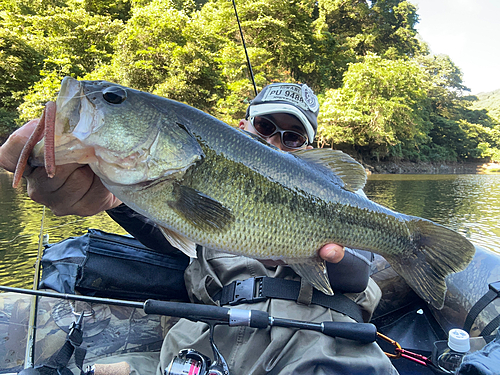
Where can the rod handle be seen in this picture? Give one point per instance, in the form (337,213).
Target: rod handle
(361,332)
(190,311)
(120,368)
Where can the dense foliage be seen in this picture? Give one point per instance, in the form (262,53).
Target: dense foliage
(383,95)
(489,101)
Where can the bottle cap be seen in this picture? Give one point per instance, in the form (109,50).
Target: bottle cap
(458,340)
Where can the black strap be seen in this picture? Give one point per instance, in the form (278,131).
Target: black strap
(494,324)
(257,289)
(56,364)
(492,294)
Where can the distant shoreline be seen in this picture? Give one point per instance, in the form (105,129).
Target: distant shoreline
(407,167)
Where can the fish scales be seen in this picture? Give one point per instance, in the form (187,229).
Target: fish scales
(270,216)
(205,182)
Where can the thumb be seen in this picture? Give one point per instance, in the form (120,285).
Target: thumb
(332,253)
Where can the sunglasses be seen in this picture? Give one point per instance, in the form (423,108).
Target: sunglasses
(267,128)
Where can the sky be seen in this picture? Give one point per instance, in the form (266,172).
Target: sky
(469,32)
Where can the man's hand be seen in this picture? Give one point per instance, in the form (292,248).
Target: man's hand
(75,189)
(332,253)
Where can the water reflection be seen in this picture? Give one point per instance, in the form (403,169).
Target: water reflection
(20,220)
(469,204)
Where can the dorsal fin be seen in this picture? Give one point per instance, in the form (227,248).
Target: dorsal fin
(342,165)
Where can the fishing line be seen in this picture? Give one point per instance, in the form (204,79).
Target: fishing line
(48,229)
(16,237)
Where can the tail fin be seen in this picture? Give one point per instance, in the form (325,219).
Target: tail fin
(438,252)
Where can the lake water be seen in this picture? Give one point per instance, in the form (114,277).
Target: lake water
(469,204)
(20,220)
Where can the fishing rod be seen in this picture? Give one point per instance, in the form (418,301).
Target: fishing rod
(29,357)
(245,48)
(361,332)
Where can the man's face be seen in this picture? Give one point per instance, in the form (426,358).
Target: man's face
(283,121)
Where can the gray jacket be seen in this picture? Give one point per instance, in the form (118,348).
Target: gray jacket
(277,350)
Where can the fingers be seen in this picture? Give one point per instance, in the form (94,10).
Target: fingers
(74,190)
(22,162)
(11,150)
(71,179)
(95,199)
(332,253)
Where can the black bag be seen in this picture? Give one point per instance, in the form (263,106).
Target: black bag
(110,265)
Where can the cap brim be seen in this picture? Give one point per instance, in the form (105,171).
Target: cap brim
(268,108)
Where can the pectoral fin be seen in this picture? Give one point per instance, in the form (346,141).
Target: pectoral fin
(199,209)
(182,243)
(313,271)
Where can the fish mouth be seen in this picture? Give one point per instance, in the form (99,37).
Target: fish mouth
(69,94)
(72,105)
(70,127)
(89,129)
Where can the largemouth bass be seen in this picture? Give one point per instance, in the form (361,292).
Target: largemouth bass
(205,182)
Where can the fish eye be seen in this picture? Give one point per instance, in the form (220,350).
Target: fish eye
(114,95)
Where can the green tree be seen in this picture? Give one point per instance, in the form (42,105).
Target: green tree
(165,51)
(465,133)
(383,95)
(381,105)
(298,41)
(445,80)
(42,91)
(489,101)
(30,7)
(384,27)
(19,69)
(71,42)
(114,9)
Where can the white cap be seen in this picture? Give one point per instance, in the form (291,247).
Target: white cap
(291,98)
(458,340)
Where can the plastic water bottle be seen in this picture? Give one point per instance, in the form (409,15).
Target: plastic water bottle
(458,345)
